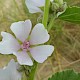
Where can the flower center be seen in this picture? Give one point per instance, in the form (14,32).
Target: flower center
(25,45)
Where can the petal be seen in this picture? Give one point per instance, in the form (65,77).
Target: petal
(9,44)
(39,35)
(21,29)
(39,3)
(12,68)
(13,64)
(33,9)
(4,75)
(10,72)
(6,36)
(23,58)
(33,5)
(40,53)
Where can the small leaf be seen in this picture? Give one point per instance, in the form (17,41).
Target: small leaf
(66,75)
(72,14)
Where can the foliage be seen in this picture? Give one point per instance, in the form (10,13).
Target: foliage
(66,75)
(72,14)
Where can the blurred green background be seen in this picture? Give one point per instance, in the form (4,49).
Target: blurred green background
(65,37)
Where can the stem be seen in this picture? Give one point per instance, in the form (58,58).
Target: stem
(46,13)
(51,23)
(33,71)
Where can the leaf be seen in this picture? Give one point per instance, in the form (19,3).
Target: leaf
(72,14)
(66,75)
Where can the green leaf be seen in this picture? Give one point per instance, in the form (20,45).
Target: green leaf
(72,14)
(66,75)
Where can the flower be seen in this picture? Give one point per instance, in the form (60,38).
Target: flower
(10,72)
(26,43)
(34,5)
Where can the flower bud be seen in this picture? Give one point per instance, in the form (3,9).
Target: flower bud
(60,2)
(55,6)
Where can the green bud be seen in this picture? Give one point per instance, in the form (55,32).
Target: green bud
(60,2)
(64,7)
(55,6)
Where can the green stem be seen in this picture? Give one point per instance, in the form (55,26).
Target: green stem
(51,23)
(46,13)
(33,72)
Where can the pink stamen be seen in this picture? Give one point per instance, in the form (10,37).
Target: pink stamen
(25,45)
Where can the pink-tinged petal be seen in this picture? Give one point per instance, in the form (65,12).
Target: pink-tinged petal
(41,53)
(9,44)
(39,35)
(33,5)
(21,29)
(23,58)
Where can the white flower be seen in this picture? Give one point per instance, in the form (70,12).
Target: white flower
(34,5)
(10,72)
(30,42)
